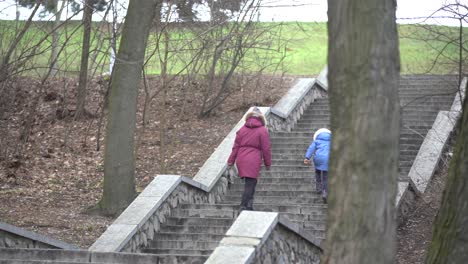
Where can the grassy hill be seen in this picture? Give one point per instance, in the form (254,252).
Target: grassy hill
(303,45)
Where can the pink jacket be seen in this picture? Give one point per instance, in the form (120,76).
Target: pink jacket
(251,145)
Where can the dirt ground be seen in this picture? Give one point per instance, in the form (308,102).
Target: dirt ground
(48,183)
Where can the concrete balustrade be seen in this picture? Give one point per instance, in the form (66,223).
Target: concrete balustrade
(14,237)
(290,107)
(142,219)
(429,154)
(265,237)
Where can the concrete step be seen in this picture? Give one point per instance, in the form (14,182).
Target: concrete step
(283,156)
(304,128)
(285,168)
(202,254)
(299,162)
(315,116)
(313,111)
(184,244)
(312,224)
(284,174)
(406,157)
(162,236)
(290,145)
(319,218)
(404,164)
(415,140)
(230,213)
(428,123)
(419,113)
(319,235)
(208,229)
(404,147)
(314,210)
(285,194)
(292,140)
(27,255)
(281,200)
(197,221)
(419,116)
(288,180)
(426,96)
(286,150)
(411,104)
(313,121)
(262,186)
(275,135)
(308,209)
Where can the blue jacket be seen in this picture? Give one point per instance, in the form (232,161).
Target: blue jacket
(321,148)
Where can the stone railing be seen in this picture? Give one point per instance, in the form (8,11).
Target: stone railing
(265,237)
(14,237)
(290,107)
(430,152)
(136,226)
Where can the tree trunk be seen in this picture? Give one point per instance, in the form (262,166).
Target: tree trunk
(55,37)
(119,156)
(363,60)
(82,83)
(450,235)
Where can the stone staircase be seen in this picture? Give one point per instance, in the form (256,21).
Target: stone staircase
(421,99)
(288,188)
(195,229)
(191,231)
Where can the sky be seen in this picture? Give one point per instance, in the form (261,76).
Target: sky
(295,10)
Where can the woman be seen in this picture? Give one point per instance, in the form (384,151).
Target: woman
(252,144)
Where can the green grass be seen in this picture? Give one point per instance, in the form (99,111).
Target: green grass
(303,44)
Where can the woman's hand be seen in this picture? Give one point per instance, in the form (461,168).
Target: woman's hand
(306,161)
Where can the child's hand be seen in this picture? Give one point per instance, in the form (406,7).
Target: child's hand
(306,161)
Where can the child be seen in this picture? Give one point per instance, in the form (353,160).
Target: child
(320,150)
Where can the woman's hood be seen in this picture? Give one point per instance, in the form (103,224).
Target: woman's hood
(256,115)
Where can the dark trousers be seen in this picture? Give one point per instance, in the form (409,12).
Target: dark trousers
(321,182)
(248,195)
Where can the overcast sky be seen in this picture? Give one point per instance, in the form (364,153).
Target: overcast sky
(297,10)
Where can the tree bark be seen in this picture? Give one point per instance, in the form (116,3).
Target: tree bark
(83,80)
(119,159)
(363,60)
(450,234)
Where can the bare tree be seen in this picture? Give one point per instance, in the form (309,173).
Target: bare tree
(363,80)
